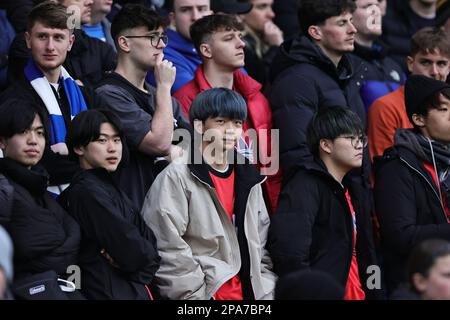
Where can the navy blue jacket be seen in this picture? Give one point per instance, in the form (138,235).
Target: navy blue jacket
(382,74)
(305,79)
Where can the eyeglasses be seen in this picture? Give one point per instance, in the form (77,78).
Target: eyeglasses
(155,38)
(356,140)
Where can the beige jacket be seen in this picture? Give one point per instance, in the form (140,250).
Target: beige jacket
(197,242)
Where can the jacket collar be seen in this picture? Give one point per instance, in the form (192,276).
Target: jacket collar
(245,173)
(35,180)
(242,83)
(377,51)
(303,50)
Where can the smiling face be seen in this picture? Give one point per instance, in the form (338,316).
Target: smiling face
(105,152)
(225,49)
(27,147)
(49,46)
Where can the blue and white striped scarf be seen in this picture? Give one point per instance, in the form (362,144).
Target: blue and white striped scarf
(43,88)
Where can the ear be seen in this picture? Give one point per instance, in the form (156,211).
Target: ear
(326,145)
(419,120)
(79,151)
(419,282)
(205,51)
(315,32)
(409,63)
(71,40)
(123,44)
(198,126)
(2,143)
(28,39)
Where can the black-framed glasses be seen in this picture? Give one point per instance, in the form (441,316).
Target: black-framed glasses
(155,38)
(356,140)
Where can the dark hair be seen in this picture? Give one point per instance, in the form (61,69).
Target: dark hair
(315,12)
(218,102)
(16,116)
(50,14)
(433,102)
(429,40)
(424,256)
(202,29)
(134,16)
(330,123)
(85,128)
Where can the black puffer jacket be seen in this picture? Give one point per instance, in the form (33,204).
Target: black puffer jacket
(409,209)
(45,236)
(313,226)
(305,79)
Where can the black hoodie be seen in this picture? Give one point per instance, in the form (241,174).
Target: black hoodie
(304,80)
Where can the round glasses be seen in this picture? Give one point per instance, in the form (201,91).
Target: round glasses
(155,38)
(357,140)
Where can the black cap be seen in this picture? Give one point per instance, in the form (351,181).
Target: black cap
(418,89)
(230,6)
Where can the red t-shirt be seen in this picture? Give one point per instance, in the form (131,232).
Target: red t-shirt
(430,169)
(224,185)
(353,288)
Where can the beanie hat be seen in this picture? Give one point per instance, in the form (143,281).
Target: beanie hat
(418,89)
(308,285)
(6,254)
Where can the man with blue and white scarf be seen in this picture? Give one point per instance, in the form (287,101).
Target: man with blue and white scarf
(47,84)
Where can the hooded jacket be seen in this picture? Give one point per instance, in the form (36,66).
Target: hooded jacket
(313,227)
(408,206)
(200,247)
(304,79)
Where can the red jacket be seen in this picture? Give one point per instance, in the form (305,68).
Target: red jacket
(259,117)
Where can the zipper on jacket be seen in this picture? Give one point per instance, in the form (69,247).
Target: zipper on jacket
(431,186)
